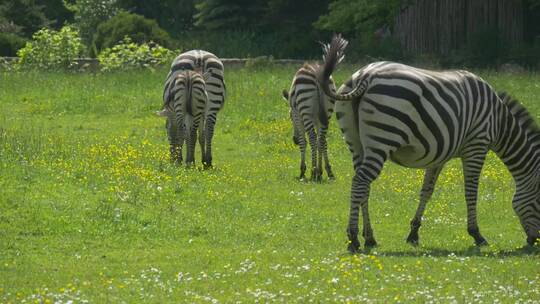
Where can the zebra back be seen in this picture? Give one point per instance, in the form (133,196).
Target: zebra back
(202,62)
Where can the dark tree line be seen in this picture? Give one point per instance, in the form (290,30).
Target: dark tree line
(393,29)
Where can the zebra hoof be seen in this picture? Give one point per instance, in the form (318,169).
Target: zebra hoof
(413,240)
(533,241)
(370,243)
(353,247)
(481,242)
(207,166)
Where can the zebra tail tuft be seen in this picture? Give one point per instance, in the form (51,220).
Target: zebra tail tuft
(333,54)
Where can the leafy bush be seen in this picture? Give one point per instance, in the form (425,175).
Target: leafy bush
(51,49)
(89,14)
(138,28)
(128,54)
(10,44)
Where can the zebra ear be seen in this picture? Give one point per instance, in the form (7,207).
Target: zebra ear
(162,113)
(285,95)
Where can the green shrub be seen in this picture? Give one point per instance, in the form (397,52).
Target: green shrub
(138,28)
(10,44)
(51,49)
(128,54)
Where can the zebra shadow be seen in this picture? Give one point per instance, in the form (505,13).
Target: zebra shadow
(472,251)
(321,181)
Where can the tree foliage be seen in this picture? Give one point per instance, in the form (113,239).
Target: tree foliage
(138,28)
(230,14)
(175,16)
(89,14)
(22,17)
(358,16)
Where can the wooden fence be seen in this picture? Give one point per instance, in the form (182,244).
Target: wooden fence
(440,26)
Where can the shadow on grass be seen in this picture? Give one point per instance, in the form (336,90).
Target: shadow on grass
(472,251)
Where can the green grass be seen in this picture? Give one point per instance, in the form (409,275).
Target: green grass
(91,209)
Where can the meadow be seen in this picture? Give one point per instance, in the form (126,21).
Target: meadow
(92,211)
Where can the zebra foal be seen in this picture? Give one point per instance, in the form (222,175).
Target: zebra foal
(310,111)
(184,113)
(206,71)
(421,119)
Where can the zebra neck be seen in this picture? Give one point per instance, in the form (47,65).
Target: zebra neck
(517,146)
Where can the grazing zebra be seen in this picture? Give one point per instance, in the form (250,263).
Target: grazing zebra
(421,119)
(201,62)
(186,107)
(310,112)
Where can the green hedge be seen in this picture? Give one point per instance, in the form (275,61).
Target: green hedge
(134,26)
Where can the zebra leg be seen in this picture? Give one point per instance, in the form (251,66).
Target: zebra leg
(202,144)
(430,179)
(526,202)
(472,166)
(191,140)
(359,199)
(323,150)
(302,144)
(176,138)
(315,176)
(209,133)
(366,172)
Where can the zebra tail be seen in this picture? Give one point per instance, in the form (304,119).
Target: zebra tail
(189,93)
(322,108)
(333,54)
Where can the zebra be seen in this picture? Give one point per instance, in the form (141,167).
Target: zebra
(204,63)
(186,108)
(310,111)
(421,119)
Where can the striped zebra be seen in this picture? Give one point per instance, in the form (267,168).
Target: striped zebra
(421,119)
(186,107)
(310,112)
(204,63)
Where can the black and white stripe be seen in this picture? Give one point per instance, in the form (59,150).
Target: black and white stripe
(310,112)
(421,119)
(208,64)
(185,112)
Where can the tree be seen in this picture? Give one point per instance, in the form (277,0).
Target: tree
(229,14)
(358,16)
(22,17)
(175,16)
(89,14)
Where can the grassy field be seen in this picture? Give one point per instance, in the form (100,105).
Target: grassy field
(92,211)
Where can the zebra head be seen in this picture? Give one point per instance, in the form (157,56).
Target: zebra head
(293,116)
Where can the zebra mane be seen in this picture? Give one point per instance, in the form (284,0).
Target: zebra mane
(524,118)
